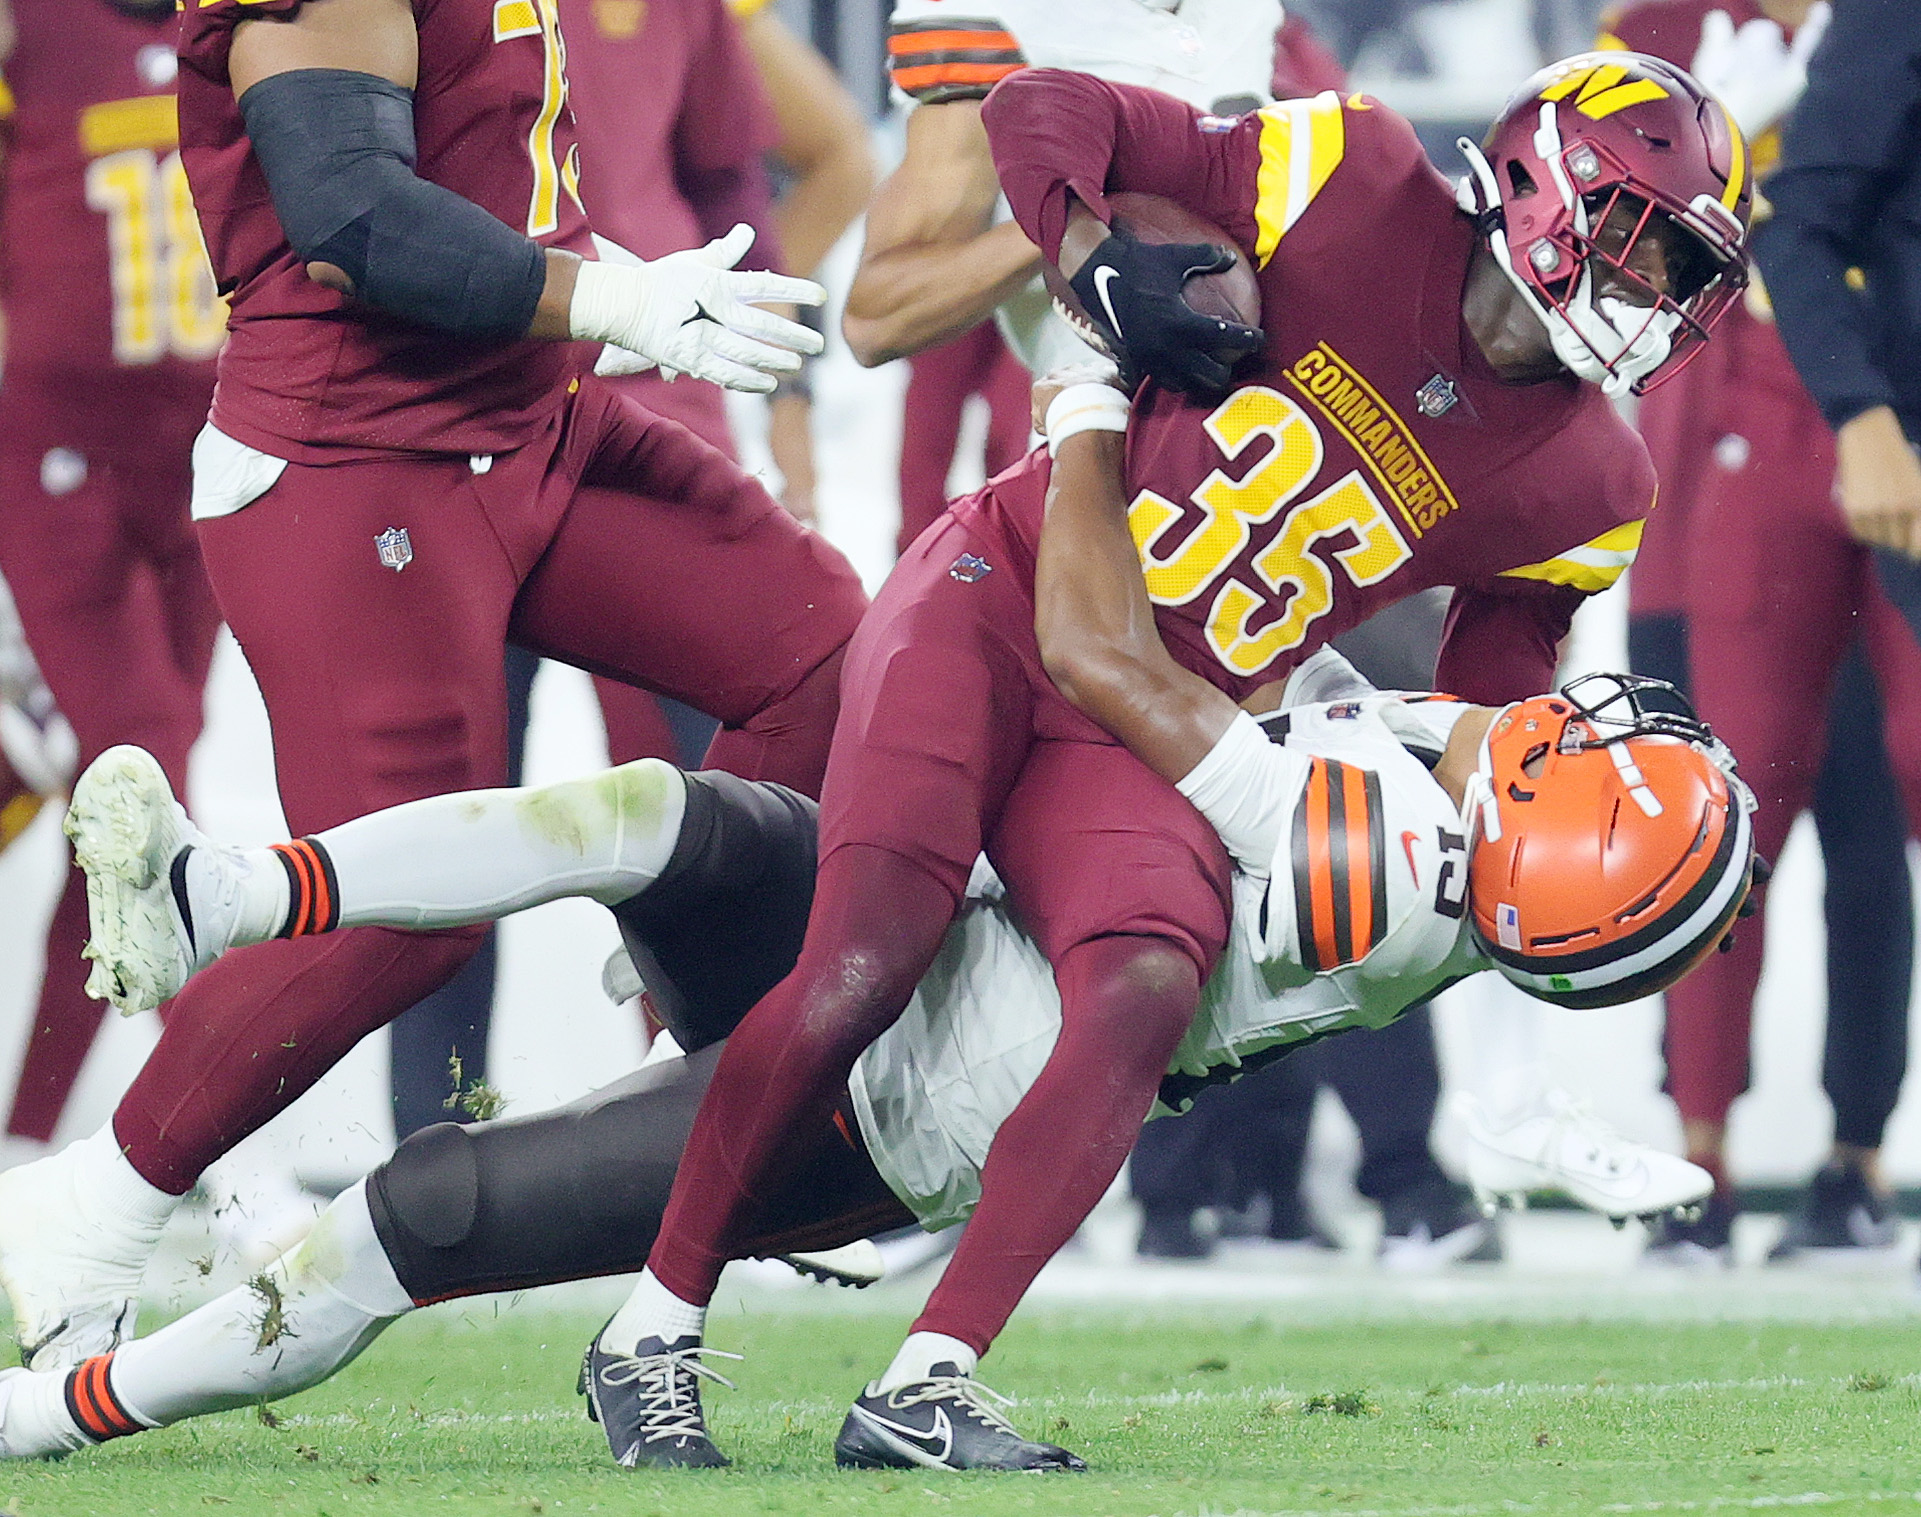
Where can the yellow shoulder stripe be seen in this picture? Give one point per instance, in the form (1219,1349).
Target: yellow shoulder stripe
(1591,567)
(6,100)
(742,9)
(1607,42)
(1302,143)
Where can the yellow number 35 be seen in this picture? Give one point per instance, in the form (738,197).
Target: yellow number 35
(1289,570)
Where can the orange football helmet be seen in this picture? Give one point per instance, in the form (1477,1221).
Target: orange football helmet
(1610,843)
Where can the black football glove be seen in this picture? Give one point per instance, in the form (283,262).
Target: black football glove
(1132,292)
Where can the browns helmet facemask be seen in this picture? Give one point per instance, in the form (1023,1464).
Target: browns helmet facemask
(1610,842)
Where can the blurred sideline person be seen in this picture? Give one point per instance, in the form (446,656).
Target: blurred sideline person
(112,322)
(1766,610)
(409,462)
(673,165)
(1847,198)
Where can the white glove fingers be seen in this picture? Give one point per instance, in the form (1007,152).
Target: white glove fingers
(762,288)
(725,252)
(730,375)
(745,350)
(765,326)
(1808,35)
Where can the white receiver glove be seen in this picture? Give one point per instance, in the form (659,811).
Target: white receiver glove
(1755,71)
(693,313)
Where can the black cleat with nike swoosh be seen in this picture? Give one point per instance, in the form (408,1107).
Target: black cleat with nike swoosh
(946,1422)
(648,1402)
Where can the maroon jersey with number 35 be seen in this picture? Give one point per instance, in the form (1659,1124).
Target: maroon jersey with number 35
(106,289)
(310,375)
(1370,452)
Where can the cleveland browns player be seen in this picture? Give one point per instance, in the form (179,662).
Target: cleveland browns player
(408,461)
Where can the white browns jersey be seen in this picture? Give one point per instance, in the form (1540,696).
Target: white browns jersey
(1217,55)
(1358,916)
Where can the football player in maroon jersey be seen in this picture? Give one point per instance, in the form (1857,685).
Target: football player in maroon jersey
(409,461)
(112,324)
(1420,414)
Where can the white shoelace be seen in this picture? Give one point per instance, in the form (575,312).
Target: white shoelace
(669,1397)
(969,1394)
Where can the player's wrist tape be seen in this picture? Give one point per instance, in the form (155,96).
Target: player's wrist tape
(1084,408)
(1242,813)
(337,149)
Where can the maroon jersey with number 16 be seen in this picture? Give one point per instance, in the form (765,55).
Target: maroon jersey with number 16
(110,307)
(1370,452)
(311,376)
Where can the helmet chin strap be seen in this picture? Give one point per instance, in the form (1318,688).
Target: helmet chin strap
(1607,342)
(1478,800)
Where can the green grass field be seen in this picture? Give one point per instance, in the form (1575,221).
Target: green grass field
(1216,1413)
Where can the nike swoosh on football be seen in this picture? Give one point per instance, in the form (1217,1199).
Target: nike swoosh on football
(941,1434)
(1100,289)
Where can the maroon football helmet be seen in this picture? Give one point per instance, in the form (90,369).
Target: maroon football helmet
(1592,156)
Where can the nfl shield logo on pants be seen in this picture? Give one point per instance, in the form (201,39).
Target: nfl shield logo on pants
(396,548)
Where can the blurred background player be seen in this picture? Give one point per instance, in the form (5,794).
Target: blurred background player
(672,165)
(1842,256)
(111,326)
(1758,601)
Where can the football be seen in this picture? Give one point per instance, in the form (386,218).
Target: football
(1233,294)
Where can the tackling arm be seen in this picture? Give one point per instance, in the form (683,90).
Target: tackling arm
(326,91)
(934,264)
(1096,626)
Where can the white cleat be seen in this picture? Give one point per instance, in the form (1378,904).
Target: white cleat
(1562,1146)
(127,830)
(858,1264)
(70,1267)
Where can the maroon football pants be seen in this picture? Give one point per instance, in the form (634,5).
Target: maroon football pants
(97,549)
(619,543)
(952,739)
(1777,592)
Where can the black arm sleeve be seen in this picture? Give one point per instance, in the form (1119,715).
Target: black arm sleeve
(1847,167)
(337,148)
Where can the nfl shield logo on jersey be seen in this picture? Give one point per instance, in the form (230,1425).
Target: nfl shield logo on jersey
(396,548)
(970,568)
(1436,397)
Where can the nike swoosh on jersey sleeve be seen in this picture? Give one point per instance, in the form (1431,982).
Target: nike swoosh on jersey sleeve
(1302,143)
(1593,566)
(1339,845)
(937,58)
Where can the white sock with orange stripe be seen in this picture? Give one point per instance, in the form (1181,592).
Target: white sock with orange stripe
(310,1312)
